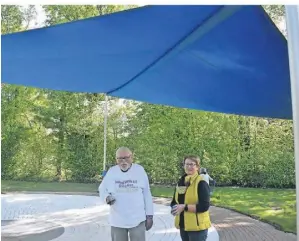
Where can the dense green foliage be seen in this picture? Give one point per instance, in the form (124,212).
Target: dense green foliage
(54,135)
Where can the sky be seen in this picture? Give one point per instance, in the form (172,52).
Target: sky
(40,16)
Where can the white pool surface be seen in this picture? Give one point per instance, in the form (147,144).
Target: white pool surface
(43,217)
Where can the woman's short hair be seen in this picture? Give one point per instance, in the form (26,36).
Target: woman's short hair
(195,159)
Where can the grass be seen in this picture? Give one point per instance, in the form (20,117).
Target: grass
(160,191)
(275,206)
(15,186)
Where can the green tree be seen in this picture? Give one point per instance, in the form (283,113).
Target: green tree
(57,14)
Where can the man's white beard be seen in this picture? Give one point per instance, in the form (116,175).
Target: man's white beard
(125,168)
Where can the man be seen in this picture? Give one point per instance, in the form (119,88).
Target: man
(205,175)
(126,189)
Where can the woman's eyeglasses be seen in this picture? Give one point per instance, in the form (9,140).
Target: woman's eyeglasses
(190,164)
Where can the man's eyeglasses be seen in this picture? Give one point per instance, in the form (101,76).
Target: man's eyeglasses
(123,158)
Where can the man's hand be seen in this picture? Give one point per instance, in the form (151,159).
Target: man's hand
(149,222)
(110,200)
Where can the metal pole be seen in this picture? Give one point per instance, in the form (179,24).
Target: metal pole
(105,132)
(292,19)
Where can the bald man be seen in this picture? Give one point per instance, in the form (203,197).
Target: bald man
(126,189)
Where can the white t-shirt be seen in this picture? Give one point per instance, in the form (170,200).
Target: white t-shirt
(132,194)
(206,177)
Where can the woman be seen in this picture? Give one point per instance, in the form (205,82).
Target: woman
(191,202)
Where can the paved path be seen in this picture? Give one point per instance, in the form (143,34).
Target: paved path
(79,216)
(44,217)
(233,226)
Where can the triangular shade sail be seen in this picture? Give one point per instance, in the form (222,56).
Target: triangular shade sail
(229,59)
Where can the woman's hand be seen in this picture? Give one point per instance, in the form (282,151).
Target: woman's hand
(178,209)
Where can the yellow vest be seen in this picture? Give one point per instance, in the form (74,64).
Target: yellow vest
(192,221)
